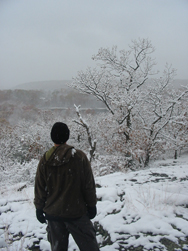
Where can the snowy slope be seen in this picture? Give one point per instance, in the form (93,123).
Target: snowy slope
(141,210)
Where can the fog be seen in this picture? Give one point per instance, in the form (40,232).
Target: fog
(53,40)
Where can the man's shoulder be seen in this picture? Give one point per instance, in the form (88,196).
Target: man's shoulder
(46,156)
(49,153)
(78,153)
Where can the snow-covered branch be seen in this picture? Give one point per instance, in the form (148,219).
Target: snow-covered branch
(83,123)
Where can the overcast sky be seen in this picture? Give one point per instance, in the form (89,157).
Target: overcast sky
(54,39)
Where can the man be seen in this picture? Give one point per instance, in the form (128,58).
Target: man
(65,194)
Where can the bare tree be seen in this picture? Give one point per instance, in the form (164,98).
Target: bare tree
(158,109)
(117,80)
(141,105)
(83,123)
(176,131)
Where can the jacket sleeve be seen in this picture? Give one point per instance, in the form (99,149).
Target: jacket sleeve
(89,186)
(40,191)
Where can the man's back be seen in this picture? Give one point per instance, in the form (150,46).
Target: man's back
(68,180)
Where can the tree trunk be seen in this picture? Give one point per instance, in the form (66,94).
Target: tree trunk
(147,159)
(176,154)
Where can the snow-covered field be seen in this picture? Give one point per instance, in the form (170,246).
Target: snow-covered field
(137,210)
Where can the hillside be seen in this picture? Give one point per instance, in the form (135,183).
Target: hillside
(64,84)
(137,210)
(45,85)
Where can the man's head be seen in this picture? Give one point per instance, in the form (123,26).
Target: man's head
(60,133)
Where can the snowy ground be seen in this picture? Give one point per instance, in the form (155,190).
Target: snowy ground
(137,210)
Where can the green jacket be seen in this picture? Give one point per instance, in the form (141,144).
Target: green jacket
(64,183)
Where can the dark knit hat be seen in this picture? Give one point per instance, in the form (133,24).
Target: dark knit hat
(60,133)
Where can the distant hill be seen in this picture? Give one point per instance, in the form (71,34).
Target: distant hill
(44,85)
(64,84)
